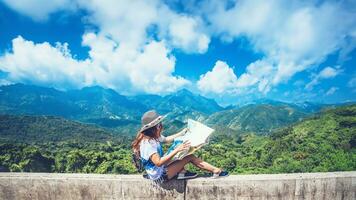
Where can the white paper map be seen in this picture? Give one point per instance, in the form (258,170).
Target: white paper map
(197,135)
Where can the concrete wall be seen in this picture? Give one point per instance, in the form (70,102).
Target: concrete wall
(339,185)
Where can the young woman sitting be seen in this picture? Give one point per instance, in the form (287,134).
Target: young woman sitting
(160,167)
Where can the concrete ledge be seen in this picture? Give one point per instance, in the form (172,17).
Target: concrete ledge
(338,185)
(85,186)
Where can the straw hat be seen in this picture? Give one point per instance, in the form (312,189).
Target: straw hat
(150,119)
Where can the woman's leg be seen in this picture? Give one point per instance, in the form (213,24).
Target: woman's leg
(182,171)
(204,165)
(177,166)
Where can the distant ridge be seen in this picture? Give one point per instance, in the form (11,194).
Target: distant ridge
(122,114)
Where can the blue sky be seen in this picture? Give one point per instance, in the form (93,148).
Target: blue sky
(232,51)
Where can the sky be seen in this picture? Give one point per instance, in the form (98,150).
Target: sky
(231,51)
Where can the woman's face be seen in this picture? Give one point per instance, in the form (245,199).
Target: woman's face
(160,128)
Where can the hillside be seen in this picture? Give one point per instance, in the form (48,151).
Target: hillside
(325,142)
(42,129)
(257,118)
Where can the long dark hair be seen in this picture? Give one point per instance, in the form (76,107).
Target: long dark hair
(151,133)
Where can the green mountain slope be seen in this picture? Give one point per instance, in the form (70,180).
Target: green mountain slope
(259,118)
(326,142)
(43,129)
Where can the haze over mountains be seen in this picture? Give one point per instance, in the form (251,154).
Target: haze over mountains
(121,114)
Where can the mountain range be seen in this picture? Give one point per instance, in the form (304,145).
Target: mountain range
(107,108)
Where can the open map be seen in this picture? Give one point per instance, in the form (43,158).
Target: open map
(197,134)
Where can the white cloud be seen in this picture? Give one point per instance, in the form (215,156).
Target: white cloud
(123,54)
(326,73)
(39,10)
(185,34)
(292,36)
(127,21)
(222,79)
(300,35)
(43,64)
(257,73)
(331,91)
(127,71)
(124,21)
(219,80)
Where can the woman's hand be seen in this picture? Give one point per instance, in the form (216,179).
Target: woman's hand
(170,138)
(182,147)
(158,161)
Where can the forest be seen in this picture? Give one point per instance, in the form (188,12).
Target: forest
(321,143)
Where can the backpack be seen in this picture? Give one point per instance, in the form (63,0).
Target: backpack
(136,160)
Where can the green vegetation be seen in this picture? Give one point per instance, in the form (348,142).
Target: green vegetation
(66,157)
(261,119)
(325,142)
(43,129)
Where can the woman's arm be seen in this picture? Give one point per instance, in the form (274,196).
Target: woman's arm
(159,161)
(170,138)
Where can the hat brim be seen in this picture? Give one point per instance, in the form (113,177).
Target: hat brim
(153,123)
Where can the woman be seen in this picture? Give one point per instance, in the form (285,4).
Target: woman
(159,167)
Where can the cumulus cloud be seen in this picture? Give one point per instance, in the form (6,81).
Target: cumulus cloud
(135,38)
(257,73)
(127,21)
(326,73)
(222,79)
(300,35)
(40,10)
(123,54)
(43,64)
(219,80)
(110,65)
(184,35)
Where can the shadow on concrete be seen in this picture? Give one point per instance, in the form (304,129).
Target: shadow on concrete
(174,184)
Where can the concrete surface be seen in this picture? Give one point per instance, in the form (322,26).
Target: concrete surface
(338,185)
(85,186)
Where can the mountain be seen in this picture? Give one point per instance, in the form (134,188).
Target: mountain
(303,106)
(29,129)
(187,100)
(179,107)
(88,102)
(19,99)
(322,143)
(182,100)
(104,107)
(122,114)
(258,118)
